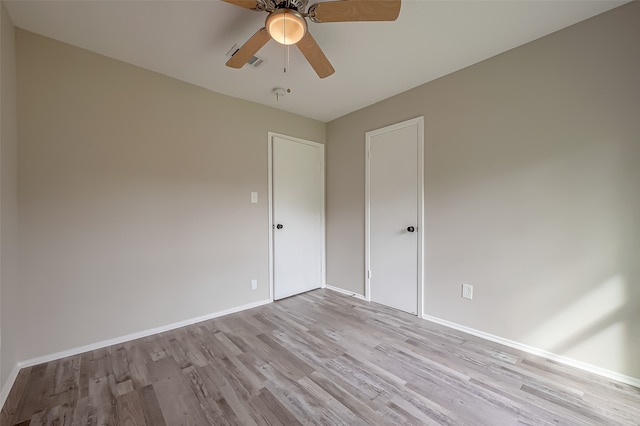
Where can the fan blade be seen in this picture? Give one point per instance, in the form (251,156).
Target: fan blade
(247,4)
(315,56)
(249,49)
(355,10)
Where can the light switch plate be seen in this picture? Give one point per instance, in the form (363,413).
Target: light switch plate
(254,198)
(467,291)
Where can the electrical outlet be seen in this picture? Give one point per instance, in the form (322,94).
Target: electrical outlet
(254,284)
(467,291)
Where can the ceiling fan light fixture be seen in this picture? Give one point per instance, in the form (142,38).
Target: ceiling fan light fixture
(286,26)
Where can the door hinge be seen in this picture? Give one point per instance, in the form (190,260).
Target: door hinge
(369,274)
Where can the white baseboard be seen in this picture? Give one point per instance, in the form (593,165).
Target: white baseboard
(117,340)
(137,335)
(347,292)
(4,393)
(539,352)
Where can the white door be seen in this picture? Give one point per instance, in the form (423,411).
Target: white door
(298,215)
(394,215)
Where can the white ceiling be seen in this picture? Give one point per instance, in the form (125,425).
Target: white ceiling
(188,40)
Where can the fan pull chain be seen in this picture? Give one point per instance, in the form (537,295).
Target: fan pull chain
(286,48)
(286,58)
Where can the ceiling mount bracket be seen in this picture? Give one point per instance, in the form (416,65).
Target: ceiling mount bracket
(280,92)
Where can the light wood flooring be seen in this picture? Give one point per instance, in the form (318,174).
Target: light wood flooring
(316,358)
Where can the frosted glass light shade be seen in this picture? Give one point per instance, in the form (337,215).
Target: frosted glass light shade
(286,26)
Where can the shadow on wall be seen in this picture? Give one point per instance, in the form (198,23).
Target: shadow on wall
(595,323)
(595,317)
(630,244)
(591,284)
(603,325)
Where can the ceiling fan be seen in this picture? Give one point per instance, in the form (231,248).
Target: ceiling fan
(286,24)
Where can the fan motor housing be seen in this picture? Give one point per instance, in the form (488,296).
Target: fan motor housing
(298,5)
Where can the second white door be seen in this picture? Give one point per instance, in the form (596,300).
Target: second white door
(298,224)
(394,211)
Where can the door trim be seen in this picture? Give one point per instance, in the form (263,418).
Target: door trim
(419,123)
(270,137)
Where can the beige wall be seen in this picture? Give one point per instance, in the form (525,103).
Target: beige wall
(532,192)
(8,201)
(134,196)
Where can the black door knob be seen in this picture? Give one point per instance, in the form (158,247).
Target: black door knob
(411,229)
(279,226)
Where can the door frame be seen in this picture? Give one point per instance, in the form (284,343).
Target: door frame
(419,123)
(271,135)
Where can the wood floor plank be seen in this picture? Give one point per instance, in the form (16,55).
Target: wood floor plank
(81,411)
(230,396)
(85,375)
(316,358)
(191,348)
(15,397)
(342,392)
(138,367)
(177,350)
(333,408)
(213,412)
(67,375)
(100,362)
(130,411)
(151,406)
(178,403)
(54,416)
(102,404)
(294,403)
(32,400)
(265,401)
(424,409)
(120,365)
